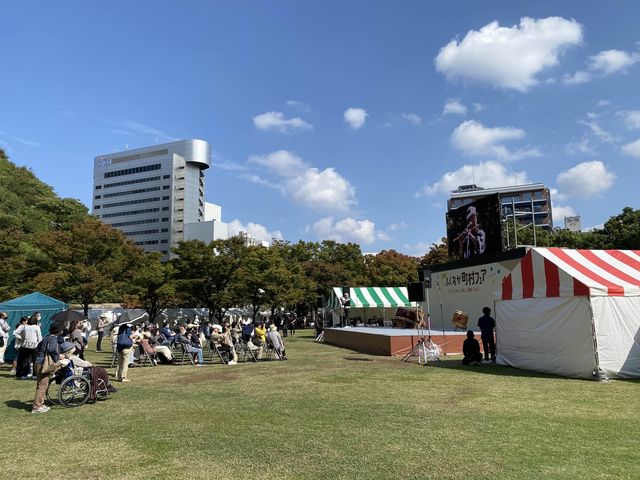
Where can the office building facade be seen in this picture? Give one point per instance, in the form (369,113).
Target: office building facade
(153,194)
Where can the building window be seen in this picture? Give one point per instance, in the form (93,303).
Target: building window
(135,222)
(164,241)
(164,251)
(97,197)
(131,171)
(166,187)
(131,212)
(141,232)
(131,192)
(147,242)
(98,187)
(97,207)
(165,219)
(165,198)
(164,177)
(131,202)
(164,230)
(131,182)
(165,209)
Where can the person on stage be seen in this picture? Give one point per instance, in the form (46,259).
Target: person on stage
(487,324)
(346,305)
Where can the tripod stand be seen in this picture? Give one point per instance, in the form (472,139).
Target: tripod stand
(425,349)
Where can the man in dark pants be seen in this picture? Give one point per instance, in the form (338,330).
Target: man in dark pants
(487,324)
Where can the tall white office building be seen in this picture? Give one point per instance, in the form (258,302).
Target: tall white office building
(155,195)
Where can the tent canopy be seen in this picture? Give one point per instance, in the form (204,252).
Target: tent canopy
(558,272)
(27,306)
(372,297)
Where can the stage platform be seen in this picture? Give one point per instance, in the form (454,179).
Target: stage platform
(392,341)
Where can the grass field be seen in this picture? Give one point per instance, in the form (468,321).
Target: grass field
(329,413)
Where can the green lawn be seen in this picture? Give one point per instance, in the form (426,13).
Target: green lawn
(329,413)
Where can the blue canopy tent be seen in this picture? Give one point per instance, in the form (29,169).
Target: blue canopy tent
(27,306)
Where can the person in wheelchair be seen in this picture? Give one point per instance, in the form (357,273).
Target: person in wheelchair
(82,367)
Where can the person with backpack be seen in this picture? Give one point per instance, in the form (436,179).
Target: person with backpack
(124,346)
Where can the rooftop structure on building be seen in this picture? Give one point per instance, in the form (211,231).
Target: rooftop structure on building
(525,203)
(155,195)
(573,224)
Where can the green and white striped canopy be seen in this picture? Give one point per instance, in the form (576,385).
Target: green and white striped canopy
(372,297)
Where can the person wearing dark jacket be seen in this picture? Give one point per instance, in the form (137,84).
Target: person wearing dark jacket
(487,324)
(49,346)
(471,350)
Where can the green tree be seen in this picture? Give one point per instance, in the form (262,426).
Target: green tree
(622,231)
(438,253)
(153,285)
(88,262)
(205,274)
(390,268)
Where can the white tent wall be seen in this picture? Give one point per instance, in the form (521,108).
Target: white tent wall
(617,321)
(550,335)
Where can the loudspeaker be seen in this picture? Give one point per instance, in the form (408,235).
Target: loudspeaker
(416,291)
(346,290)
(425,277)
(320,302)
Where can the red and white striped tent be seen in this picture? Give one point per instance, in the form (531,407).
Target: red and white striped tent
(571,313)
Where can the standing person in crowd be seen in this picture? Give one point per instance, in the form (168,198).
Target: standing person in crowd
(292,325)
(471,350)
(49,346)
(17,344)
(124,346)
(4,335)
(286,322)
(102,323)
(227,343)
(276,341)
(487,324)
(76,337)
(30,336)
(85,326)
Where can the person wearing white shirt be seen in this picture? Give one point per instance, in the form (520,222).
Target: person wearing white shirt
(30,337)
(4,335)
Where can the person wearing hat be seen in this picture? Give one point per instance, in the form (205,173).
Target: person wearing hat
(276,340)
(69,351)
(102,322)
(487,324)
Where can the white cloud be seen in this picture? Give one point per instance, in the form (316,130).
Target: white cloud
(140,128)
(632,149)
(355,117)
(581,146)
(509,57)
(412,118)
(298,105)
(586,179)
(276,121)
(560,211)
(324,190)
(612,61)
(577,78)
(473,138)
(453,106)
(347,230)
(603,103)
(599,132)
(631,118)
(254,230)
(486,174)
(478,107)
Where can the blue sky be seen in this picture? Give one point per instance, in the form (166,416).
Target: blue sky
(345,120)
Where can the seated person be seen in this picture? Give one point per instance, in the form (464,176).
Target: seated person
(157,344)
(227,344)
(69,350)
(168,334)
(191,347)
(276,341)
(247,331)
(471,350)
(261,333)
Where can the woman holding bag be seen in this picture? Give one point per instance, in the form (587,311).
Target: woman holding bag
(48,353)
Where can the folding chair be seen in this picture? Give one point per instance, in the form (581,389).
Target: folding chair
(218,352)
(189,355)
(147,354)
(243,349)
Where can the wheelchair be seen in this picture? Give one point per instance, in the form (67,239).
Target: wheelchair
(71,390)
